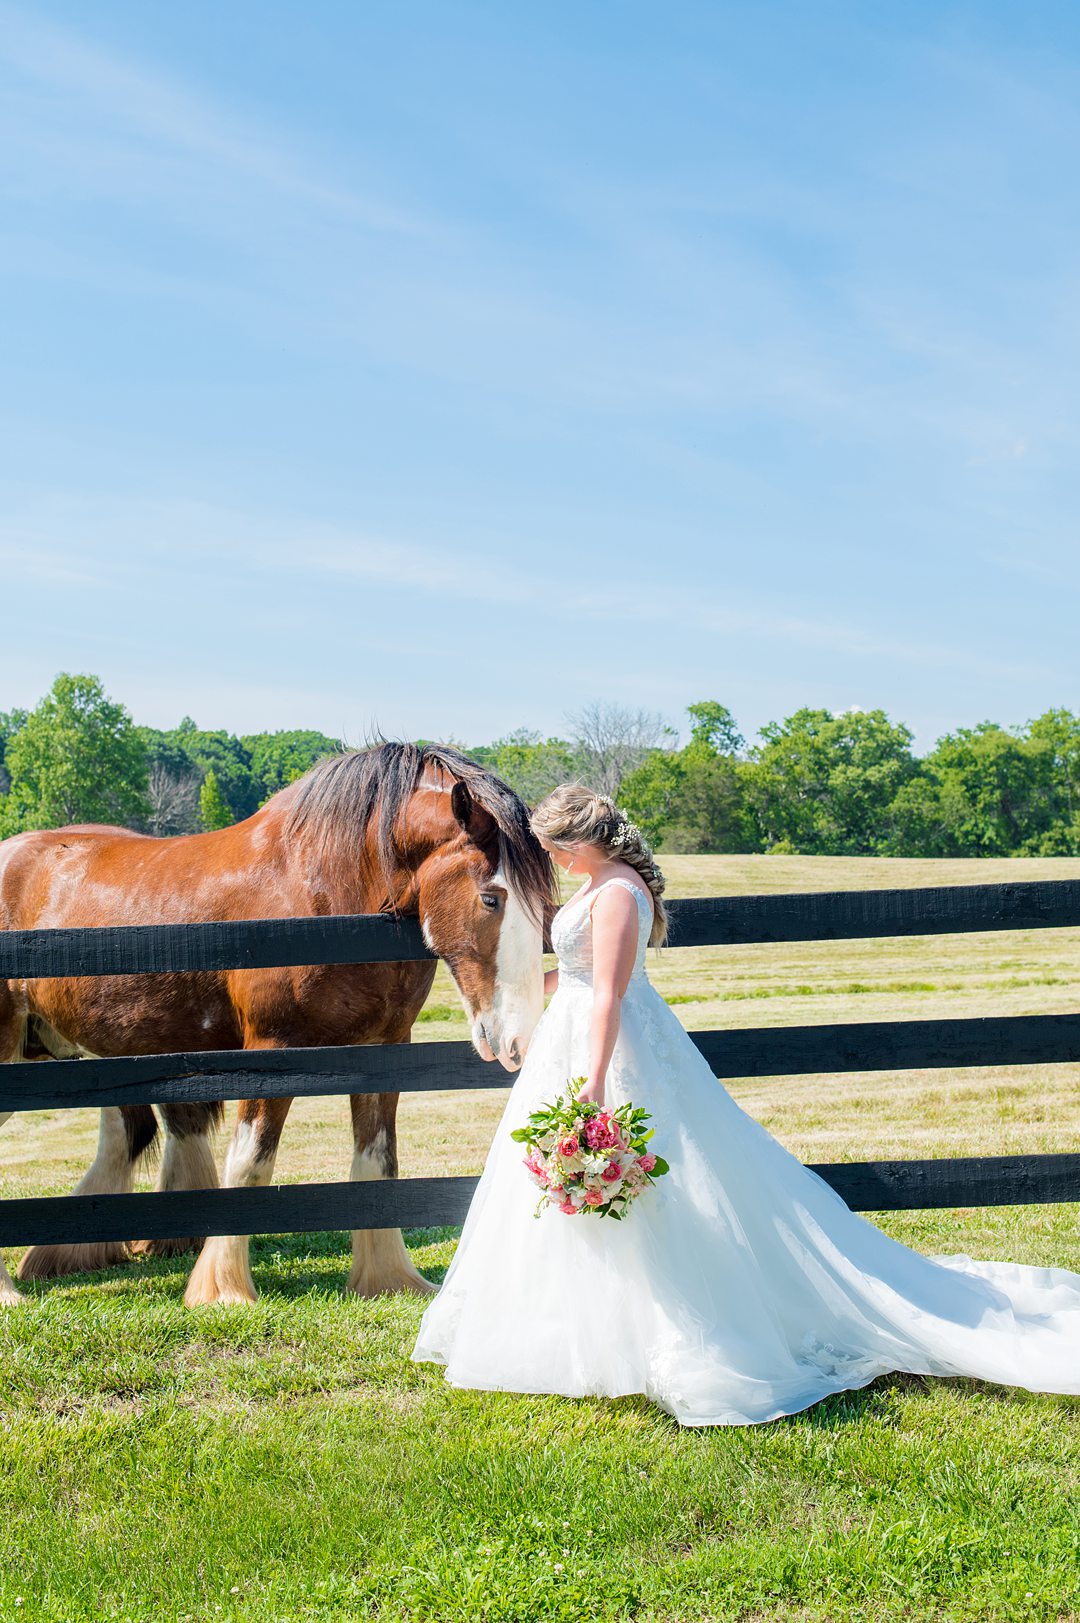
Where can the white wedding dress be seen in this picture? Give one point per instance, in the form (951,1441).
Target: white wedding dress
(738,1288)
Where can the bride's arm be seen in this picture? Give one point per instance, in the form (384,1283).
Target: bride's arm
(551,981)
(614,943)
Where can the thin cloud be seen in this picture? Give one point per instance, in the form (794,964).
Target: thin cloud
(151,536)
(120,94)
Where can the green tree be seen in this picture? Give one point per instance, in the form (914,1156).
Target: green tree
(1055,736)
(229,760)
(11,721)
(982,792)
(823,783)
(530,764)
(693,799)
(651,792)
(77,758)
(714,728)
(277,759)
(214,810)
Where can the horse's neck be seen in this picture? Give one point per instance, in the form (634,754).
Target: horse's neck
(338,876)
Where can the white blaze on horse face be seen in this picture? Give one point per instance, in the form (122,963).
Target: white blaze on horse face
(519,981)
(503,1029)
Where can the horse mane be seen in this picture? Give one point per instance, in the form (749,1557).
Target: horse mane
(344,793)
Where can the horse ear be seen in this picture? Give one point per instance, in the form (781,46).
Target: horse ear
(461,803)
(478,824)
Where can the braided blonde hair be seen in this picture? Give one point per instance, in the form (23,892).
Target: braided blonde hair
(574,815)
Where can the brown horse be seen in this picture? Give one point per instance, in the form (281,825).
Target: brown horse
(393,828)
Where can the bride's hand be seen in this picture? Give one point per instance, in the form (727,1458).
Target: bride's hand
(592,1093)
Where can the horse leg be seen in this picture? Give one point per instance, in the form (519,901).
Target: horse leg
(187,1162)
(9,1295)
(223,1270)
(380,1261)
(125,1132)
(12,1028)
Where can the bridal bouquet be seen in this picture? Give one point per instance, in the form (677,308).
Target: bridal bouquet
(588,1159)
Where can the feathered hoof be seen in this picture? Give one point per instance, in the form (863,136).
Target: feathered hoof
(9,1296)
(384,1281)
(220,1275)
(52,1261)
(167,1248)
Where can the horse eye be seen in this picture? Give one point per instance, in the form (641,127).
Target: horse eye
(489,900)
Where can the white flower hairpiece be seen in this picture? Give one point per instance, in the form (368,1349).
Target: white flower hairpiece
(626,831)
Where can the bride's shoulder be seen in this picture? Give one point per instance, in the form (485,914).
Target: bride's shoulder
(616,887)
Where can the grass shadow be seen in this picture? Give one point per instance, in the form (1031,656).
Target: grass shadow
(282,1265)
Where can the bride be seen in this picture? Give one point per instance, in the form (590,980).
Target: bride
(738,1288)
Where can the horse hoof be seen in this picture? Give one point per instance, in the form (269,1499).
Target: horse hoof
(53,1261)
(209,1295)
(370,1283)
(222,1274)
(166,1248)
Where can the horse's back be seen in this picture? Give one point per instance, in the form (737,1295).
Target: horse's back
(93,874)
(31,862)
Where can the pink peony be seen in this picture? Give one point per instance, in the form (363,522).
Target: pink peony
(611,1172)
(568,1207)
(647,1162)
(569,1145)
(594,1197)
(601,1132)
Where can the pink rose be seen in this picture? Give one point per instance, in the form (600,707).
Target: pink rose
(611,1172)
(647,1162)
(594,1197)
(568,1207)
(569,1145)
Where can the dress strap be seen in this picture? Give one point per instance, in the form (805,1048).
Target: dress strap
(617,879)
(589,897)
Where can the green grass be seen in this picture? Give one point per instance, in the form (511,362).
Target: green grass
(288,1461)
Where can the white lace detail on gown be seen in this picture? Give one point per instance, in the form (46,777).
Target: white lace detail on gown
(741,1287)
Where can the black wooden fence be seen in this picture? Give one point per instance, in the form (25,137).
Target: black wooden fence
(413,1202)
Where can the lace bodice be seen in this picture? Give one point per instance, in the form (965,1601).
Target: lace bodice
(571,934)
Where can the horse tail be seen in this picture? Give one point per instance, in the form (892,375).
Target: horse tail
(143,1137)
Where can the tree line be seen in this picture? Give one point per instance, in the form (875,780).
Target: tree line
(78,757)
(818,783)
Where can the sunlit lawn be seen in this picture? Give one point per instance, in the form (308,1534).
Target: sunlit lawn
(288,1461)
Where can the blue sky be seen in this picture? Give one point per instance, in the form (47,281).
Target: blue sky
(446,367)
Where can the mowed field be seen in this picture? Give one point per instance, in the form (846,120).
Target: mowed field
(287,1460)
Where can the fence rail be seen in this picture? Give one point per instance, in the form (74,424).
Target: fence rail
(412,1202)
(700,921)
(288,1073)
